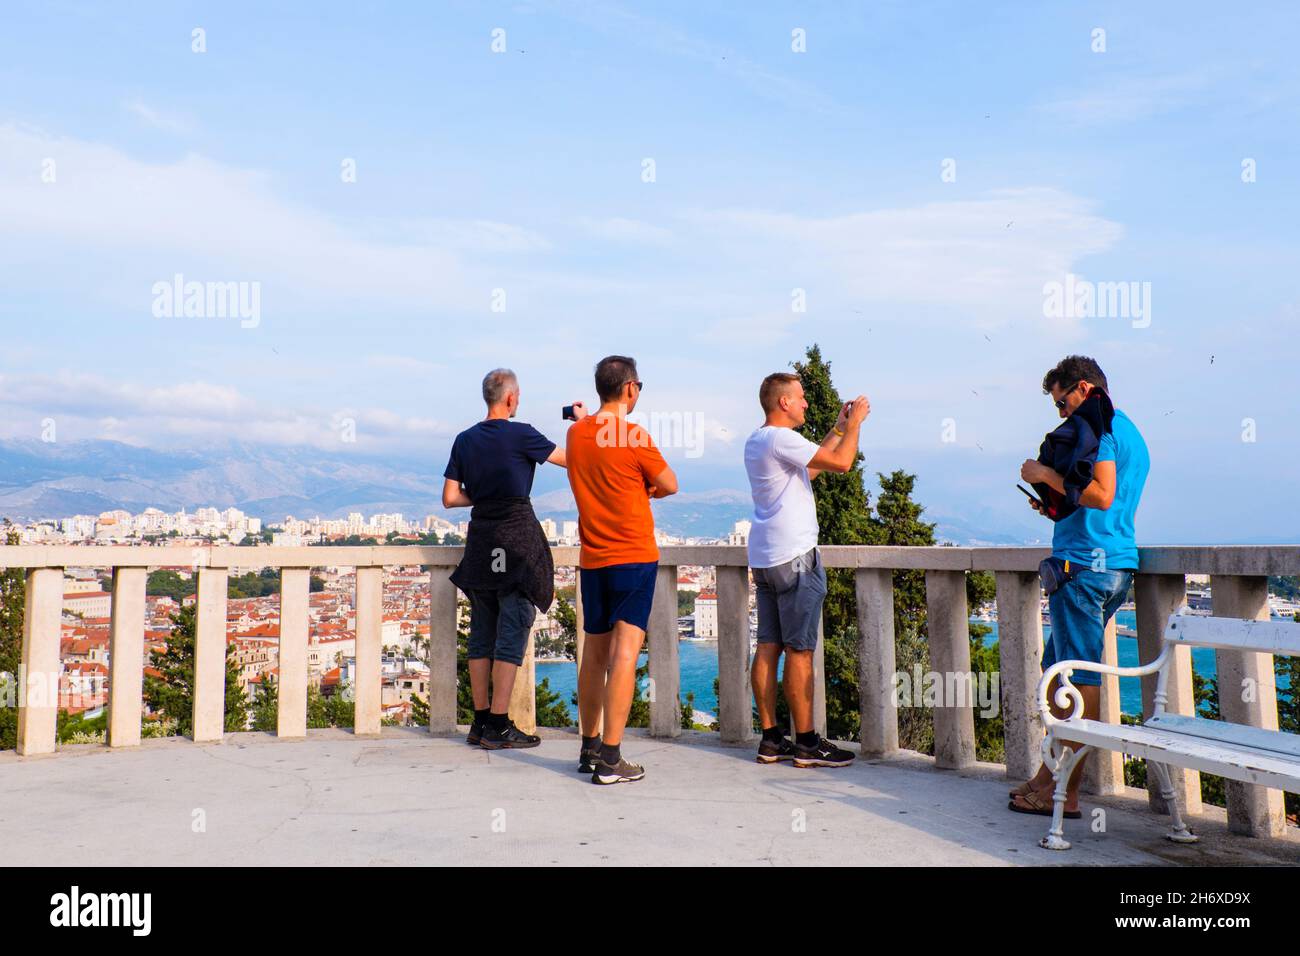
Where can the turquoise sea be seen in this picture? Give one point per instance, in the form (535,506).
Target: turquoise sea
(699,667)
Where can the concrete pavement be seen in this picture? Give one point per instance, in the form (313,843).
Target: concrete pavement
(406,798)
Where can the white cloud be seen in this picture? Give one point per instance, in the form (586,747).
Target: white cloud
(988,256)
(406,364)
(618,229)
(625,25)
(475,235)
(158,119)
(1129,98)
(759,330)
(139,222)
(89,406)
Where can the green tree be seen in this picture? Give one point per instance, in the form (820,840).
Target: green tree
(13,590)
(688,714)
(318,715)
(464,690)
(172,693)
(550,708)
(266,705)
(989,743)
(1285,586)
(251,585)
(843,506)
(985,665)
(898,523)
(1205,694)
(419,711)
(170,584)
(333,710)
(78,728)
(1287,670)
(844,516)
(565,643)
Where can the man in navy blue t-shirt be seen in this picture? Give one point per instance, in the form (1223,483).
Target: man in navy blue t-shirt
(507,572)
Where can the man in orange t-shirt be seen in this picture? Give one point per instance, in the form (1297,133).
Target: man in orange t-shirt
(614,471)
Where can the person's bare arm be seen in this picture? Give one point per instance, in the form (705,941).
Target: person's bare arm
(665,484)
(838,452)
(453,495)
(1099,494)
(557,457)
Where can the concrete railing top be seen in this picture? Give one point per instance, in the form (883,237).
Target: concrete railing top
(1249,560)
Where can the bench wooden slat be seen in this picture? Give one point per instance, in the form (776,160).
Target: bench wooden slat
(1269,741)
(1266,637)
(1236,762)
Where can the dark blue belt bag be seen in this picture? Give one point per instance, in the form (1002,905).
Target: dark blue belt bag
(1054,573)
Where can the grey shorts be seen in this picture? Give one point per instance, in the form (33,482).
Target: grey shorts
(499,624)
(790,598)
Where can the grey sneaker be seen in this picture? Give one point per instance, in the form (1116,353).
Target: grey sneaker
(623,772)
(769,752)
(475,734)
(821,754)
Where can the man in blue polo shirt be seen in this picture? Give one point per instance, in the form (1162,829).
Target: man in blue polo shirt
(1097,540)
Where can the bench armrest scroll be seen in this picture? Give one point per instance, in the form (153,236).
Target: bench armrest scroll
(1068,696)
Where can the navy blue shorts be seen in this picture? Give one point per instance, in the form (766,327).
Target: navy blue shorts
(619,592)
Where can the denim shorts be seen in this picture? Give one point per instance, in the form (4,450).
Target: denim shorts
(790,598)
(499,625)
(617,592)
(1080,608)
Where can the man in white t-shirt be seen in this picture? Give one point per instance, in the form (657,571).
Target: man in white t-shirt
(789,580)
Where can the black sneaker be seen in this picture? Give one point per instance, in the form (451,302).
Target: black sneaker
(475,734)
(508,737)
(623,772)
(821,754)
(587,757)
(772,751)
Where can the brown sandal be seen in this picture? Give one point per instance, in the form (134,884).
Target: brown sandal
(1020,791)
(1034,804)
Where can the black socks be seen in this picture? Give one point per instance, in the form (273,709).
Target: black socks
(808,739)
(773,734)
(496,721)
(610,754)
(591,743)
(481,716)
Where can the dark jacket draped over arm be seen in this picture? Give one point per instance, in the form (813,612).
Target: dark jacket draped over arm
(1071,451)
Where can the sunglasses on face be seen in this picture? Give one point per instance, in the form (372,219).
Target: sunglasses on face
(1060,402)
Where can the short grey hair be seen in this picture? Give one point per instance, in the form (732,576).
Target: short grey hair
(497,384)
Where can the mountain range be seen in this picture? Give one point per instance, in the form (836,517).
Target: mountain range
(54,480)
(58,479)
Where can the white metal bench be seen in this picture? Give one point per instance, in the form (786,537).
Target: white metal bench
(1270,758)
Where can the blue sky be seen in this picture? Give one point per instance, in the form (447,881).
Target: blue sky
(774,171)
